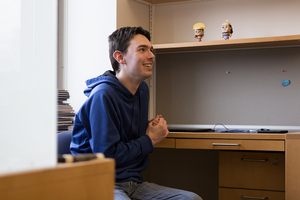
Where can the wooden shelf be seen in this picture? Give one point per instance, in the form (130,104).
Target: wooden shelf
(250,43)
(240,136)
(155,2)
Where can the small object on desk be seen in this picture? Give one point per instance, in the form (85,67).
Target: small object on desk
(199,31)
(227,30)
(271,131)
(285,83)
(226,130)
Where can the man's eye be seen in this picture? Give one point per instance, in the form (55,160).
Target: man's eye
(142,50)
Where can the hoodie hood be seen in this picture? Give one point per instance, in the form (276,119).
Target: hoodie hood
(108,77)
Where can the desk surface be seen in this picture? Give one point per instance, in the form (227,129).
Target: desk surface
(210,135)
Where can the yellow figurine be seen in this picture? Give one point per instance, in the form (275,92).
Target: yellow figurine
(199,31)
(226,30)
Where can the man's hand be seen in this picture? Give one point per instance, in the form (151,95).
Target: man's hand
(157,129)
(155,120)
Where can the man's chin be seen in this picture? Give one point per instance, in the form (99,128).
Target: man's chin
(148,74)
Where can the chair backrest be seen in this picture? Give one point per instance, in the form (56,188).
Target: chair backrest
(63,142)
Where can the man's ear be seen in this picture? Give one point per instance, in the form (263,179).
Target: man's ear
(119,56)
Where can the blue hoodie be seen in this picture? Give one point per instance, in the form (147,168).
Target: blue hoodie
(114,122)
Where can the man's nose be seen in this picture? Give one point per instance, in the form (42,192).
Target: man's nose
(151,55)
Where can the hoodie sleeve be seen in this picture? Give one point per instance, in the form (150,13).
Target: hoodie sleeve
(106,129)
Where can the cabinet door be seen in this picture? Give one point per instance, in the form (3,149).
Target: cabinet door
(252,170)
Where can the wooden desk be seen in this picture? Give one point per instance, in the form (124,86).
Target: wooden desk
(289,144)
(83,180)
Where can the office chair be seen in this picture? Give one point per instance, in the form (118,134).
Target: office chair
(63,147)
(63,142)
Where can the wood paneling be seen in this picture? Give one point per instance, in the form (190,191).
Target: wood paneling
(84,180)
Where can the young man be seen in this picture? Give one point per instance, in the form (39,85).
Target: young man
(114,118)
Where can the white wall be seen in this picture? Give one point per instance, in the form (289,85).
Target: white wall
(249,18)
(89,23)
(28,63)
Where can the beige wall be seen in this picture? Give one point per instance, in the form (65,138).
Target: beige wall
(249,18)
(132,13)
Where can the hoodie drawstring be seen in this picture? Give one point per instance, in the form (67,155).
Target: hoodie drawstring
(140,116)
(131,119)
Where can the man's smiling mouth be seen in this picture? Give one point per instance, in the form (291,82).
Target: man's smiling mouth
(148,65)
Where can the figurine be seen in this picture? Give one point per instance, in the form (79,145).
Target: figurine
(226,30)
(199,31)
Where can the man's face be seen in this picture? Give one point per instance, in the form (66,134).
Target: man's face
(139,58)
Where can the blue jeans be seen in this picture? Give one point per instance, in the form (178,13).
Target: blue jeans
(150,191)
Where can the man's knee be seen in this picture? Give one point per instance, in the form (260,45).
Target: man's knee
(191,196)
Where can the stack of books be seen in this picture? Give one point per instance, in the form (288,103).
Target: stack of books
(65,112)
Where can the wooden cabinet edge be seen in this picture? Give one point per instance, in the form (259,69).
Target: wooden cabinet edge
(60,181)
(293,135)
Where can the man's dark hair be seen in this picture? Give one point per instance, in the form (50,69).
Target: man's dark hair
(120,40)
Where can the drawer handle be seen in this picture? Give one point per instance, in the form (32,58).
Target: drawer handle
(224,144)
(248,197)
(253,159)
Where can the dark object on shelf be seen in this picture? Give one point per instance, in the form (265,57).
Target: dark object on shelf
(65,112)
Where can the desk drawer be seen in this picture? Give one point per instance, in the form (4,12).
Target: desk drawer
(252,170)
(240,194)
(222,144)
(166,143)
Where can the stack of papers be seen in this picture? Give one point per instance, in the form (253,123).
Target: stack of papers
(65,112)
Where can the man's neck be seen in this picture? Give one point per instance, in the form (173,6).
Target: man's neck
(130,84)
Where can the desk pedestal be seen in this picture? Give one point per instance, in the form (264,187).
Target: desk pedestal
(192,159)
